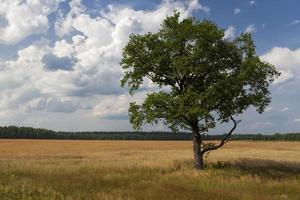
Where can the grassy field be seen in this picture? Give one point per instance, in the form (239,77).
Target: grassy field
(51,169)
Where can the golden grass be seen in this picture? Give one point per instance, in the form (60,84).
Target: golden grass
(64,169)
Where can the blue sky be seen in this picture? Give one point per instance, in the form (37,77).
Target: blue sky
(59,59)
(271,18)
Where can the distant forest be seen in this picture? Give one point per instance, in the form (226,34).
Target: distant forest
(13,132)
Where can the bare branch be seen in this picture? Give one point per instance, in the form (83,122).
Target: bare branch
(211,146)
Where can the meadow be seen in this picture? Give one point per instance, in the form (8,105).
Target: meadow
(112,170)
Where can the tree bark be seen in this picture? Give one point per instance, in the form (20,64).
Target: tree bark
(198,156)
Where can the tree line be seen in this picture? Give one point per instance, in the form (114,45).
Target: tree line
(14,132)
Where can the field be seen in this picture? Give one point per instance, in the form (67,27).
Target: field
(53,169)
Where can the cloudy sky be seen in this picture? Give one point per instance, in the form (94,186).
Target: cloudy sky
(59,59)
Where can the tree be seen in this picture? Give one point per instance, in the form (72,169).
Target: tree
(202,78)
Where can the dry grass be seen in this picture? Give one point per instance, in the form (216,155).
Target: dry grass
(58,169)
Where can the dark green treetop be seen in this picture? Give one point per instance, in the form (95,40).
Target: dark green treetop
(202,77)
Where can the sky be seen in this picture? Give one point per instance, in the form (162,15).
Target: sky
(59,59)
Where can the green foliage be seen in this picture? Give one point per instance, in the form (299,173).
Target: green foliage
(202,78)
(13,132)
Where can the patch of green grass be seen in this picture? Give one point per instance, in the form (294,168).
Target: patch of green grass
(227,181)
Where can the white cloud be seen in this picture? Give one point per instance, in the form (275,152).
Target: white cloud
(296,120)
(97,30)
(251,3)
(236,11)
(250,29)
(116,106)
(95,43)
(53,104)
(63,25)
(284,109)
(63,49)
(24,18)
(112,106)
(283,58)
(195,5)
(88,95)
(295,22)
(287,61)
(151,20)
(285,76)
(229,33)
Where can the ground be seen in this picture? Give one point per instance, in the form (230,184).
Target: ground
(112,170)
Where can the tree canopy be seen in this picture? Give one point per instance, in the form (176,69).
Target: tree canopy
(202,77)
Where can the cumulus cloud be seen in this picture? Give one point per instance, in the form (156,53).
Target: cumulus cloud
(53,104)
(287,61)
(297,120)
(283,58)
(250,29)
(71,81)
(63,49)
(195,5)
(295,22)
(251,3)
(23,18)
(229,33)
(112,106)
(285,76)
(63,25)
(236,11)
(284,107)
(82,65)
(116,105)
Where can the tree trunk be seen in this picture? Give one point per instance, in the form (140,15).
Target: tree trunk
(198,156)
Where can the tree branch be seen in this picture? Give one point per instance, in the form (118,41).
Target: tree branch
(211,146)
